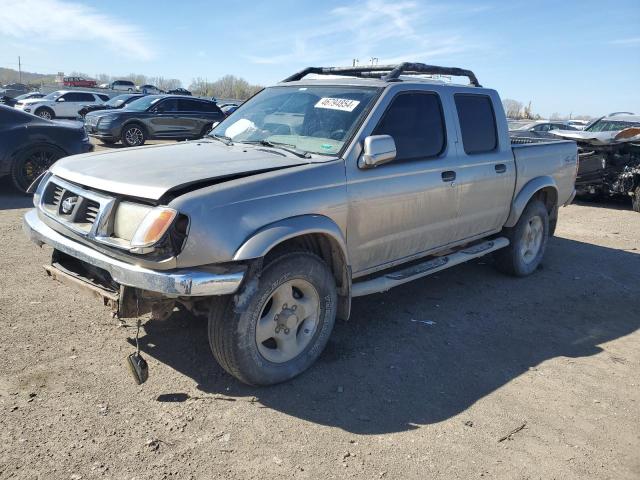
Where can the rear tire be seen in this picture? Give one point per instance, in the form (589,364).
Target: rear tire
(279,324)
(133,135)
(528,241)
(30,163)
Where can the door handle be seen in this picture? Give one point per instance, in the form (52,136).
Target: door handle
(448,176)
(500,168)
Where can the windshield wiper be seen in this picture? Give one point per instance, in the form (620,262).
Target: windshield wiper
(222,138)
(287,147)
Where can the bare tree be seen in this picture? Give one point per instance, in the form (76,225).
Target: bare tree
(512,108)
(228,86)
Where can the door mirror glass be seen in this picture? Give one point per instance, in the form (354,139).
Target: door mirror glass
(378,149)
(61,99)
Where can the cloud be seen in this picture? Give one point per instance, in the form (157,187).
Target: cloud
(370,28)
(60,20)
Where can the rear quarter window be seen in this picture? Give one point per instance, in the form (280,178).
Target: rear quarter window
(477,123)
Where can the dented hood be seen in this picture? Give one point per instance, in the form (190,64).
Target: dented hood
(151,172)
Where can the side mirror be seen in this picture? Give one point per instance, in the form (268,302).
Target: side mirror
(378,149)
(61,99)
(214,125)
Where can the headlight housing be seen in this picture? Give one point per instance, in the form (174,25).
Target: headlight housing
(152,228)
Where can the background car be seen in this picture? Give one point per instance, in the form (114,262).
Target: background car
(229,108)
(540,129)
(123,86)
(30,145)
(154,116)
(11,102)
(179,91)
(150,89)
(13,90)
(78,82)
(119,101)
(62,103)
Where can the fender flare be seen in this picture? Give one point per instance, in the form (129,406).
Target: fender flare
(264,239)
(526,193)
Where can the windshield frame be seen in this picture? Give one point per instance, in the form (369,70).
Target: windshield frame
(355,128)
(154,99)
(53,95)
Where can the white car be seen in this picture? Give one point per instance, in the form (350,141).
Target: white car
(63,103)
(123,86)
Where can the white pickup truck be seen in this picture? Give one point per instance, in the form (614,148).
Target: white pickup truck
(313,192)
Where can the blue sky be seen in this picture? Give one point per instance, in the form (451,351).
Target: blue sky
(580,57)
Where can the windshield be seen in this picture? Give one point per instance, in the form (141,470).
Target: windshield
(312,119)
(143,103)
(53,95)
(610,126)
(117,100)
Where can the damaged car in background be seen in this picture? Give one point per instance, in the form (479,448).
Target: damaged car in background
(609,157)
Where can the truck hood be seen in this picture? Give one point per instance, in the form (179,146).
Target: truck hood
(152,171)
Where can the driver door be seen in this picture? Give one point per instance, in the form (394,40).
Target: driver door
(408,206)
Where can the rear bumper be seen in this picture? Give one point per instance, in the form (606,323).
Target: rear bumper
(195,282)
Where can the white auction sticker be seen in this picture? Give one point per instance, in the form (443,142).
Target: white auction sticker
(343,104)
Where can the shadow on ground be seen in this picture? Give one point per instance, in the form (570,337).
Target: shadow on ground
(394,372)
(11,198)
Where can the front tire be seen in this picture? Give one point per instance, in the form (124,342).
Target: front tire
(133,135)
(30,163)
(528,242)
(46,113)
(635,200)
(280,323)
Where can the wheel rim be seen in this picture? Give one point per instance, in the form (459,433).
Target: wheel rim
(532,240)
(134,136)
(35,163)
(288,321)
(46,114)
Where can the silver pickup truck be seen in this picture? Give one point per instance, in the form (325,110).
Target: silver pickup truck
(314,191)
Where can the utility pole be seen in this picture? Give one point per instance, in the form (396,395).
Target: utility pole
(19,70)
(355,62)
(374,60)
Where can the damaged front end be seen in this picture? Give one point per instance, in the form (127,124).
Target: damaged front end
(609,163)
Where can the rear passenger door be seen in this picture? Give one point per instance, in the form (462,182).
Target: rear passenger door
(406,207)
(485,173)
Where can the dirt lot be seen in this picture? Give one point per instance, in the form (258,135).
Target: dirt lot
(391,397)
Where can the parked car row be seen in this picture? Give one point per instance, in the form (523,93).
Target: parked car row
(61,104)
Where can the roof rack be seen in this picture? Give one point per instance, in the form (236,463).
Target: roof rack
(388,73)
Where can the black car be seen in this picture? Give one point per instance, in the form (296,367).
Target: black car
(29,145)
(154,117)
(119,101)
(180,91)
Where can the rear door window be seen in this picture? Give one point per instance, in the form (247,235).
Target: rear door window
(415,121)
(477,123)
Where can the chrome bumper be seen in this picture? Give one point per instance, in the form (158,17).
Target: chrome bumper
(194,282)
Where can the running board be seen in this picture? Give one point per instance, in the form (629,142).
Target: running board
(398,277)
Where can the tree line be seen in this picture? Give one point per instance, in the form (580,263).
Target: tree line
(519,111)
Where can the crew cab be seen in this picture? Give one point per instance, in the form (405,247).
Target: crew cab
(60,104)
(313,192)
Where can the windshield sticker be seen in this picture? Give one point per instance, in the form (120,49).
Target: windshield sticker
(326,146)
(343,104)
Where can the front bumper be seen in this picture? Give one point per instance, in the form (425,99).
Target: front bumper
(194,282)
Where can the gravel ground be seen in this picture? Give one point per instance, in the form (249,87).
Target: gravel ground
(391,397)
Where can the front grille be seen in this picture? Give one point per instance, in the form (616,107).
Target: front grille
(91,211)
(57,195)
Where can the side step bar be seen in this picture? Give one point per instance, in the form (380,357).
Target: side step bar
(398,277)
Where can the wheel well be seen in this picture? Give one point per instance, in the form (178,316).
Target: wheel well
(548,196)
(324,247)
(44,107)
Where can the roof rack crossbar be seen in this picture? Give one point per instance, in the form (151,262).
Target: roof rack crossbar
(388,73)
